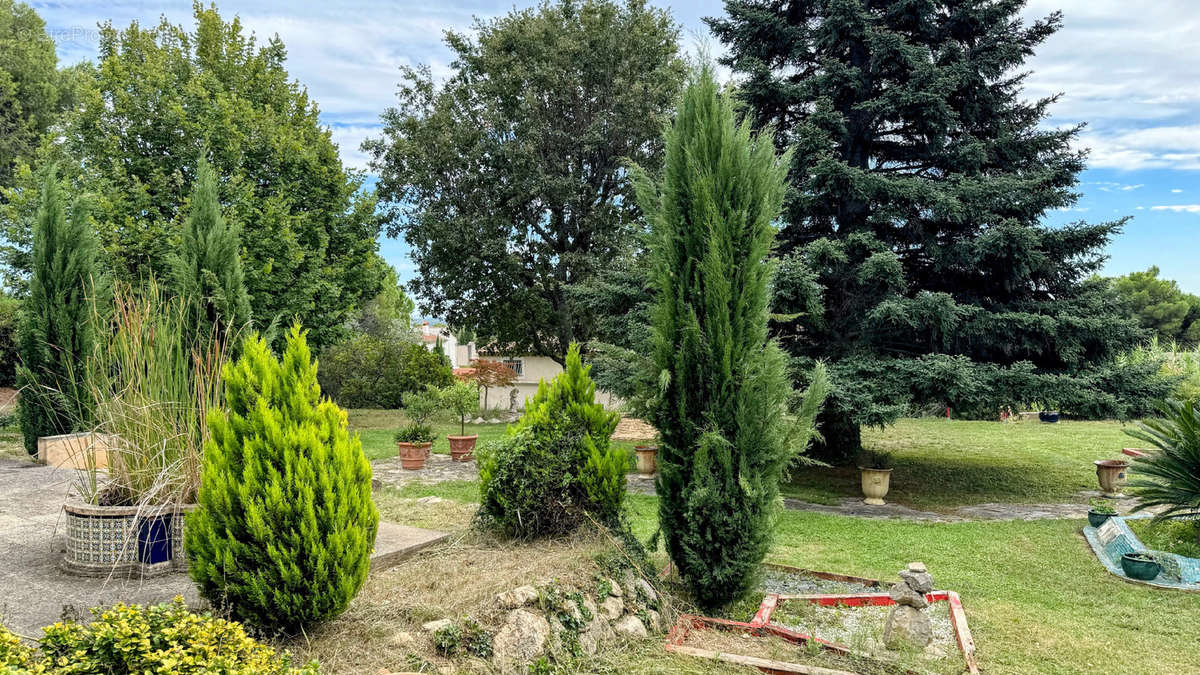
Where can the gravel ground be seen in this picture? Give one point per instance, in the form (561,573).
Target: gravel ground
(862,627)
(785,583)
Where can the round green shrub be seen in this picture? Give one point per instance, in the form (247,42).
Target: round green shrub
(369,371)
(163,639)
(555,468)
(286,525)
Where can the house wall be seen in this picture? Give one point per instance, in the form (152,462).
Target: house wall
(533,370)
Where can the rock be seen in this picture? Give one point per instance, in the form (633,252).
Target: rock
(612,608)
(646,591)
(478,420)
(904,595)
(655,621)
(494,420)
(517,597)
(614,589)
(918,567)
(630,626)
(435,626)
(907,624)
(430,500)
(920,582)
(572,610)
(589,606)
(595,634)
(520,641)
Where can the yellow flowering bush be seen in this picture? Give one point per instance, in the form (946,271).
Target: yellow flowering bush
(162,639)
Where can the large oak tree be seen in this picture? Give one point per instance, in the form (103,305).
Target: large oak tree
(507,179)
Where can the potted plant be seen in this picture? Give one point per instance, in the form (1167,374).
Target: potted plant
(876,471)
(151,377)
(414,442)
(462,398)
(1111,475)
(1099,511)
(419,407)
(1140,565)
(647,459)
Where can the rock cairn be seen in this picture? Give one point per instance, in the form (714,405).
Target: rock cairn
(907,621)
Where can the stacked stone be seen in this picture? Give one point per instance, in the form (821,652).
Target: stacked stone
(906,622)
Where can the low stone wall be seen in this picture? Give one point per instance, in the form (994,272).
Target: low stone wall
(103,540)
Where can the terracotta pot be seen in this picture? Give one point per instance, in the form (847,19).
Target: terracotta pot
(875,484)
(461,447)
(647,459)
(412,455)
(1111,474)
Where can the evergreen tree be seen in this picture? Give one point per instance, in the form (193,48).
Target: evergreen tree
(56,331)
(286,525)
(208,269)
(915,259)
(723,443)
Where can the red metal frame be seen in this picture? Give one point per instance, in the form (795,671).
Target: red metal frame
(760,625)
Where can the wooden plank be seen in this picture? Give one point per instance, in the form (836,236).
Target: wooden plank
(763,616)
(765,665)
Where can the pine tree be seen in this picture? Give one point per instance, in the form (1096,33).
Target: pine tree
(723,443)
(208,269)
(57,334)
(915,260)
(286,525)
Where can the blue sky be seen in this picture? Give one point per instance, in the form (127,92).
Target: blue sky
(1130,70)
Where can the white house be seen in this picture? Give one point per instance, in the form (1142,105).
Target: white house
(530,370)
(431,334)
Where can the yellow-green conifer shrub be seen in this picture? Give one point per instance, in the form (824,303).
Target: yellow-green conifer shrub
(286,525)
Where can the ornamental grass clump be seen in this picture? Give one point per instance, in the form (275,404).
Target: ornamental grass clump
(725,438)
(286,524)
(555,468)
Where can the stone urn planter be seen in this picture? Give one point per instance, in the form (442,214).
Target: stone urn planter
(461,447)
(875,484)
(1111,474)
(413,455)
(133,541)
(647,459)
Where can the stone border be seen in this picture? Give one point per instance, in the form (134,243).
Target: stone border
(1114,534)
(102,540)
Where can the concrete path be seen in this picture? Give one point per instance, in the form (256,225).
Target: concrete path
(34,592)
(438,469)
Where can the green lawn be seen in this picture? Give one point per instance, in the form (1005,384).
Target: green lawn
(942,463)
(376,428)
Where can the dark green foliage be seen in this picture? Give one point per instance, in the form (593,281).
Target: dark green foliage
(369,371)
(1160,306)
(915,260)
(208,268)
(720,413)
(506,179)
(555,467)
(31,88)
(463,637)
(160,95)
(10,309)
(56,330)
(1169,476)
(286,524)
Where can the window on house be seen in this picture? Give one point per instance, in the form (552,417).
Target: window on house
(515,364)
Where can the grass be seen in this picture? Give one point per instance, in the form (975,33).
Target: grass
(1036,598)
(941,464)
(1181,537)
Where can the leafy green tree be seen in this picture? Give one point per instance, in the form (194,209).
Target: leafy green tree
(913,248)
(389,314)
(507,180)
(31,95)
(462,399)
(10,309)
(56,330)
(1161,306)
(162,96)
(720,415)
(208,269)
(285,529)
(367,371)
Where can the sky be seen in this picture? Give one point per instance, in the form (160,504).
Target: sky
(1129,70)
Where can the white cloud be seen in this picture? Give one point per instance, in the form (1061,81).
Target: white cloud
(1178,208)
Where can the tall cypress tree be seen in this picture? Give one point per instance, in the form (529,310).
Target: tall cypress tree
(915,260)
(208,268)
(719,414)
(57,334)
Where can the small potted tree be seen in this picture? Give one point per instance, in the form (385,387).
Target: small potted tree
(415,441)
(876,470)
(462,398)
(1099,511)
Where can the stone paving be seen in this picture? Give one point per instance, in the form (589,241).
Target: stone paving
(35,592)
(438,469)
